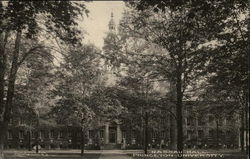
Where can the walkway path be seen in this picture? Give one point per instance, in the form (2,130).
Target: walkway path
(114,154)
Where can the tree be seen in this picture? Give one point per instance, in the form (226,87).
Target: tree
(228,68)
(20,20)
(225,25)
(219,108)
(37,90)
(31,99)
(132,63)
(228,101)
(79,75)
(178,58)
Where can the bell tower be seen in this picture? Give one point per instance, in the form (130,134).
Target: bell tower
(112,23)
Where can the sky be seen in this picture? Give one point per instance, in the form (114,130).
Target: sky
(96,24)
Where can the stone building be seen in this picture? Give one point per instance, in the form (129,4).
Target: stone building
(199,132)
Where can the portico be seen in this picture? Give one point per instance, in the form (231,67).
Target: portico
(112,133)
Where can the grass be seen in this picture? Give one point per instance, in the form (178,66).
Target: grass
(96,155)
(52,156)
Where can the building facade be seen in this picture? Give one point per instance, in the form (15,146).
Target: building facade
(199,132)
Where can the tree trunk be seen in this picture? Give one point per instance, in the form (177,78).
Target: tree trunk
(3,126)
(29,140)
(12,76)
(172,119)
(247,122)
(5,108)
(217,134)
(3,130)
(173,132)
(3,58)
(82,142)
(146,134)
(179,115)
(242,138)
(37,134)
(37,141)
(141,128)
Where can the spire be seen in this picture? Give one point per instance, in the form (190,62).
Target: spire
(112,23)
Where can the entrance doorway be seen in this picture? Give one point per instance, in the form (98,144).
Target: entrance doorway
(112,136)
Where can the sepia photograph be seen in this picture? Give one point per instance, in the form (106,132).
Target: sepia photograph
(124,79)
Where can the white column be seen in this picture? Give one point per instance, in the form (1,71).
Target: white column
(88,137)
(118,134)
(106,133)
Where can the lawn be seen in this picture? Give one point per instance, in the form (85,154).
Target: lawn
(97,156)
(52,156)
(116,154)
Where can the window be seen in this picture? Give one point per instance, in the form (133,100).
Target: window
(33,134)
(210,119)
(101,133)
(189,121)
(220,121)
(133,134)
(42,134)
(60,134)
(162,135)
(123,134)
(21,134)
(189,134)
(11,121)
(201,121)
(52,134)
(228,120)
(200,134)
(228,134)
(154,134)
(10,135)
(163,121)
(211,133)
(70,134)
(221,134)
(78,134)
(91,134)
(21,121)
